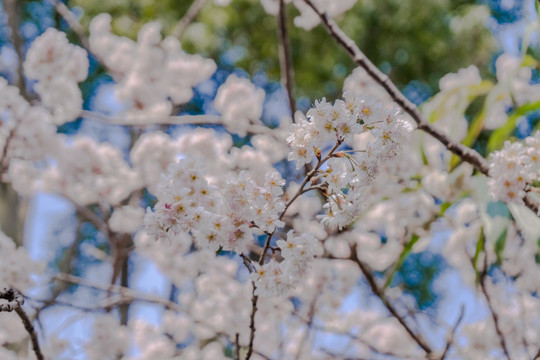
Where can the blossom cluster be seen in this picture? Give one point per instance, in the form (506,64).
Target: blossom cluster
(152,74)
(225,215)
(240,104)
(57,66)
(514,168)
(275,278)
(26,132)
(16,266)
(371,135)
(308,19)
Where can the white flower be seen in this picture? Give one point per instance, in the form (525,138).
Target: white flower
(127,219)
(270,280)
(16,266)
(512,169)
(240,104)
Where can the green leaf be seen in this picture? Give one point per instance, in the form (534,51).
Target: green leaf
(475,128)
(529,61)
(500,243)
(478,251)
(406,251)
(220,250)
(499,136)
(444,207)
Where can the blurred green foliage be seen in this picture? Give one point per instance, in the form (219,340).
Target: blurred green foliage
(409,40)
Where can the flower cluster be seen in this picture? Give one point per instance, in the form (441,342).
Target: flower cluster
(225,216)
(88,172)
(152,74)
(16,266)
(371,134)
(308,19)
(29,128)
(240,103)
(275,278)
(58,66)
(513,168)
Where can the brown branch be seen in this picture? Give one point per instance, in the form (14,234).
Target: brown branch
(188,18)
(254,299)
(494,316)
(379,293)
(465,153)
(287,72)
(300,191)
(309,325)
(15,302)
(12,11)
(125,292)
(237,345)
(453,332)
(73,23)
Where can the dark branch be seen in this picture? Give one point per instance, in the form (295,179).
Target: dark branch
(188,18)
(287,73)
(12,11)
(465,153)
(15,300)
(375,289)
(453,332)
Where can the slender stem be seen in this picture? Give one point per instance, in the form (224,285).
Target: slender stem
(188,18)
(310,175)
(12,11)
(300,191)
(15,302)
(494,315)
(465,153)
(72,22)
(453,332)
(126,293)
(237,344)
(254,299)
(375,289)
(309,325)
(287,72)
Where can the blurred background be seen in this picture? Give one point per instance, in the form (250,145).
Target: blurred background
(414,42)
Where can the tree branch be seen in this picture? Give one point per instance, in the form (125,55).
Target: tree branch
(465,153)
(254,299)
(494,315)
(453,332)
(188,18)
(73,23)
(11,9)
(287,72)
(15,302)
(125,292)
(375,289)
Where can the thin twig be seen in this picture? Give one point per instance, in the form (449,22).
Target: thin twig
(309,325)
(494,316)
(12,11)
(237,344)
(15,302)
(285,64)
(375,289)
(123,291)
(188,18)
(73,23)
(300,191)
(453,332)
(465,153)
(254,299)
(172,120)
